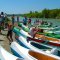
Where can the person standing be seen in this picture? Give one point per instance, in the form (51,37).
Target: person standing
(10,33)
(6,22)
(25,21)
(2,19)
(17,18)
(29,22)
(0,23)
(13,19)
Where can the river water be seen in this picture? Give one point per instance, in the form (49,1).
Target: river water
(56,22)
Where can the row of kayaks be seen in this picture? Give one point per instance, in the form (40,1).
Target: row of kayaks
(32,54)
(46,39)
(28,48)
(55,34)
(43,52)
(52,34)
(49,28)
(49,40)
(25,54)
(21,52)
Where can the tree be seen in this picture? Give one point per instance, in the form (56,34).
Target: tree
(45,13)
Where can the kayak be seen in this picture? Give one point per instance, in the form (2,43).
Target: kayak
(20,32)
(25,28)
(53,35)
(4,55)
(52,32)
(22,41)
(50,40)
(21,51)
(49,28)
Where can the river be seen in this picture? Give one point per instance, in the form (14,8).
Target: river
(56,22)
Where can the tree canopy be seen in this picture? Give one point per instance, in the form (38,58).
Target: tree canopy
(45,13)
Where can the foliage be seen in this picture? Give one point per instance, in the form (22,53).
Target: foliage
(45,13)
(7,20)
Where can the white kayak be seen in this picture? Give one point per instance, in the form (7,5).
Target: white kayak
(55,32)
(4,55)
(24,33)
(50,28)
(23,52)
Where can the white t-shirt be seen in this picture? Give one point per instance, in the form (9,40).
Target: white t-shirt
(31,31)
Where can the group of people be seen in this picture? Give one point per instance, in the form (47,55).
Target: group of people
(33,30)
(10,26)
(26,22)
(2,18)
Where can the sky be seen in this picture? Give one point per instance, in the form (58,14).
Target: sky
(25,6)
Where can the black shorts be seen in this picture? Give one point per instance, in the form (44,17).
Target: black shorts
(9,32)
(25,23)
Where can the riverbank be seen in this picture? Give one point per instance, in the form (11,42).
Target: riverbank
(4,41)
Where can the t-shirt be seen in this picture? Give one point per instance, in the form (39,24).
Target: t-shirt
(25,20)
(2,18)
(33,31)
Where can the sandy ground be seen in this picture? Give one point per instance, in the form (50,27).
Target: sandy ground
(4,42)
